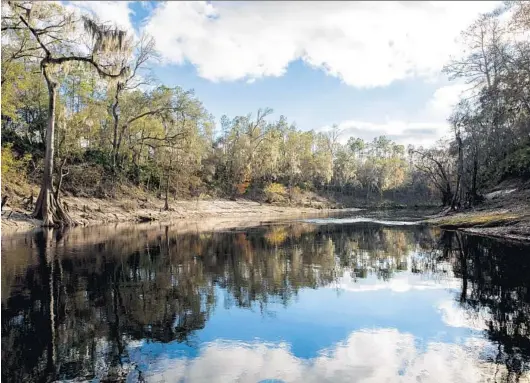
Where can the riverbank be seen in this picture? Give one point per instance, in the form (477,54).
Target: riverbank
(501,223)
(504,213)
(93,211)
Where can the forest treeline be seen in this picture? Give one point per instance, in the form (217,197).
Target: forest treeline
(83,113)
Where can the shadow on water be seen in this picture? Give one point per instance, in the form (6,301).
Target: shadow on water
(73,302)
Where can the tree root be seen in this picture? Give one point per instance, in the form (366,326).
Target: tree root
(51,211)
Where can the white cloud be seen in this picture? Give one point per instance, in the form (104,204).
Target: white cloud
(115,12)
(366,44)
(399,283)
(455,316)
(429,124)
(382,355)
(402,132)
(440,106)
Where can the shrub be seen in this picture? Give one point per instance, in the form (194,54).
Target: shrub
(13,169)
(275,192)
(86,178)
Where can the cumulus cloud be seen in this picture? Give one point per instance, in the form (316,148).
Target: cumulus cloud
(381,355)
(400,282)
(402,132)
(439,107)
(430,122)
(366,44)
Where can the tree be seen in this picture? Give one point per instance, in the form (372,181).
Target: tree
(144,51)
(48,25)
(437,164)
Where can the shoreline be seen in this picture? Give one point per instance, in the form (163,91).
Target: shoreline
(92,211)
(503,223)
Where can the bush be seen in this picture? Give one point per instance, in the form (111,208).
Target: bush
(275,192)
(84,178)
(516,164)
(13,169)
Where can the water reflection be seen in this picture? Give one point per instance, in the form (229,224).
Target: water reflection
(381,355)
(496,288)
(297,302)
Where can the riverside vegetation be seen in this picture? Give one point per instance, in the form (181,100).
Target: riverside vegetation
(84,117)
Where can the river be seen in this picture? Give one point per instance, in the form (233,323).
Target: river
(346,299)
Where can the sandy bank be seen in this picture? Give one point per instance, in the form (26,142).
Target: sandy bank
(93,211)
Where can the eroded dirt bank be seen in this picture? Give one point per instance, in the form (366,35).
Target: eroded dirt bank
(505,213)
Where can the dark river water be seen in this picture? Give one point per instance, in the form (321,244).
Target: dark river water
(323,300)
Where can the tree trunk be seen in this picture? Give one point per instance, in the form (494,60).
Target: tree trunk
(166,205)
(456,197)
(463,266)
(60,182)
(473,196)
(447,196)
(46,208)
(115,117)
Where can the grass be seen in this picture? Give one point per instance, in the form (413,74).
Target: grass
(486,219)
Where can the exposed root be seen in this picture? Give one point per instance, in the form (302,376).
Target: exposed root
(51,211)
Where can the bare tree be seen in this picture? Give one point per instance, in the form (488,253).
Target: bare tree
(437,165)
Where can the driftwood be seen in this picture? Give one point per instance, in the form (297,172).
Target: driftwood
(145,218)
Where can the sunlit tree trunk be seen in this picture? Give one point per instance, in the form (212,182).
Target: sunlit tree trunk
(47,207)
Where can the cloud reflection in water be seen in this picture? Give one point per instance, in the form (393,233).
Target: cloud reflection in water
(378,355)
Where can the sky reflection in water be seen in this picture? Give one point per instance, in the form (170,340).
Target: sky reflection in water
(348,302)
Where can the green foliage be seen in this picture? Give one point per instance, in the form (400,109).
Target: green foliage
(14,167)
(275,192)
(516,164)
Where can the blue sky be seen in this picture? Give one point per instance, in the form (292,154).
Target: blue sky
(373,68)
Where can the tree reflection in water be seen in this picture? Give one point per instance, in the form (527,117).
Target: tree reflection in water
(72,302)
(496,281)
